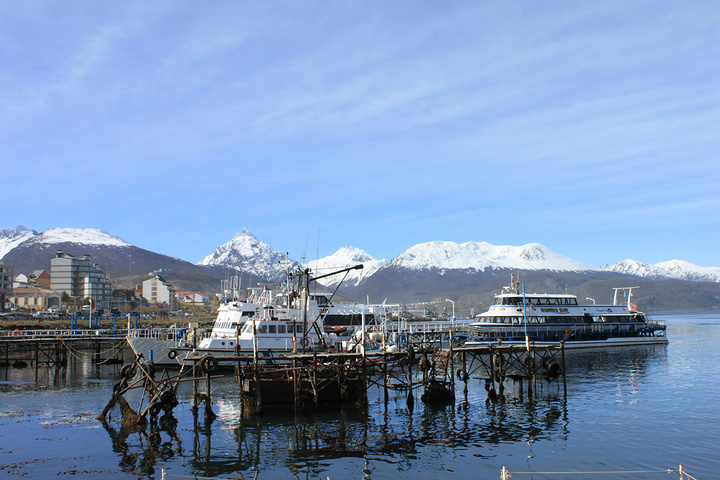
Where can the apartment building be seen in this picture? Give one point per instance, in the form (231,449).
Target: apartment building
(157,290)
(79,277)
(6,284)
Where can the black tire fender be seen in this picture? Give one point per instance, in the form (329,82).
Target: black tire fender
(208,364)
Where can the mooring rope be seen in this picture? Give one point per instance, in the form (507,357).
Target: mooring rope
(507,474)
(168,475)
(112,349)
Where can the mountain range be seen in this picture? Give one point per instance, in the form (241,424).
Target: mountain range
(469,273)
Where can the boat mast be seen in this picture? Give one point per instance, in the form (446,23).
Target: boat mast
(629,295)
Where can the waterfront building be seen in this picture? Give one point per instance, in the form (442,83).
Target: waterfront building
(157,290)
(79,277)
(34,298)
(6,283)
(194,298)
(41,278)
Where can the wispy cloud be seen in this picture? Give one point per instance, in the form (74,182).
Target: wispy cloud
(404,117)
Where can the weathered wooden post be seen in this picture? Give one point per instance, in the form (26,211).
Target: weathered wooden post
(195,388)
(411,359)
(385,377)
(562,355)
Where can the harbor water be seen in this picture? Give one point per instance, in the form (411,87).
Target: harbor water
(642,409)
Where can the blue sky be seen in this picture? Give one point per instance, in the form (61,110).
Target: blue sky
(592,128)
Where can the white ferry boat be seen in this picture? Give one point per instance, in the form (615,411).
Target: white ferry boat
(554,318)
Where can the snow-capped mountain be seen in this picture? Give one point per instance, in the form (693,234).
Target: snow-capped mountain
(245,252)
(677,269)
(10,239)
(82,236)
(346,257)
(445,255)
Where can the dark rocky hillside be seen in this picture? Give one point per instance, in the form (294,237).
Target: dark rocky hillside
(473,289)
(128,266)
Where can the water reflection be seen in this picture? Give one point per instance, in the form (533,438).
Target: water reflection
(381,437)
(395,434)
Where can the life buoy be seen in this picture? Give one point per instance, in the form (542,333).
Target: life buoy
(208,364)
(172,354)
(17,333)
(633,308)
(568,330)
(305,342)
(462,375)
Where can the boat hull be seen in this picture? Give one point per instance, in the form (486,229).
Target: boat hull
(578,344)
(157,351)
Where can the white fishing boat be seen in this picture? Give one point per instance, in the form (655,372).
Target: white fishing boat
(269,323)
(266,324)
(554,318)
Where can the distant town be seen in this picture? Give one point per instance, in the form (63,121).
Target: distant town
(77,285)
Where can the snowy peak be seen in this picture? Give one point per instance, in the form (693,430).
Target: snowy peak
(10,239)
(346,257)
(247,253)
(482,255)
(83,236)
(676,269)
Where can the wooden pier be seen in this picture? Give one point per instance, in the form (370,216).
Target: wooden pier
(23,348)
(322,381)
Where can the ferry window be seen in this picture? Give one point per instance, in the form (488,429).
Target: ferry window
(272,328)
(281,328)
(262,329)
(298,328)
(573,301)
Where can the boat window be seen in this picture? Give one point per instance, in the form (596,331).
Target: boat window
(262,329)
(272,328)
(281,328)
(299,328)
(248,313)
